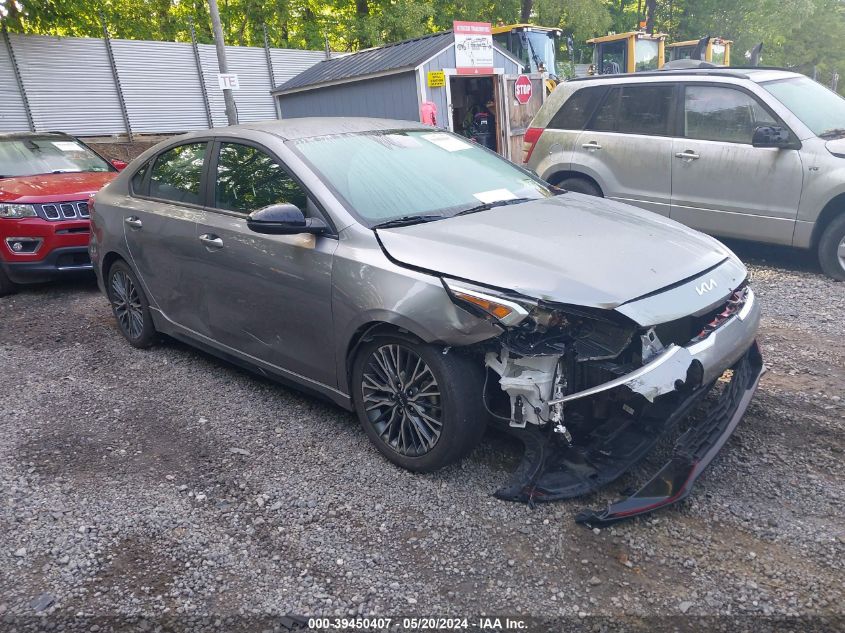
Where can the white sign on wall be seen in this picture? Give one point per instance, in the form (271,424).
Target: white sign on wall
(473,48)
(228,81)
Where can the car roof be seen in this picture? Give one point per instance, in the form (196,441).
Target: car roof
(8,136)
(753,73)
(293,129)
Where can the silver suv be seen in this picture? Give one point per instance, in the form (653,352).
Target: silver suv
(755,154)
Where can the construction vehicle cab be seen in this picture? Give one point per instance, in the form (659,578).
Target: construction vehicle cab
(630,52)
(535,46)
(715,50)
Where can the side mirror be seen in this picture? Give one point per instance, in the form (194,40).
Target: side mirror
(284,219)
(118,164)
(771,136)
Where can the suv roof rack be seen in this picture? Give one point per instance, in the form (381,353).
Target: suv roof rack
(711,71)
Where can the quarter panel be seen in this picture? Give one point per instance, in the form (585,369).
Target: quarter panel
(824,179)
(368,288)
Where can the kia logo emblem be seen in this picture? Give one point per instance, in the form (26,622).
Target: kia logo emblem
(707,286)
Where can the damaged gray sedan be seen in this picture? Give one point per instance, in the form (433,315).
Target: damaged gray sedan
(436,289)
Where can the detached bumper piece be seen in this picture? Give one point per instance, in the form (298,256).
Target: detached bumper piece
(551,471)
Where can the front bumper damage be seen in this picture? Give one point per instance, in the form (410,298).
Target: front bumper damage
(693,451)
(646,405)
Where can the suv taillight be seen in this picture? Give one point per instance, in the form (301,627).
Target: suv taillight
(529,141)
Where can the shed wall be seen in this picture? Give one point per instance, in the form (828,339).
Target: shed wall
(390,97)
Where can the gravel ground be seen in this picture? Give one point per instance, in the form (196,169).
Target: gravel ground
(166,483)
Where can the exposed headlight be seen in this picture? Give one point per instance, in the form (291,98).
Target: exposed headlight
(503,309)
(15,211)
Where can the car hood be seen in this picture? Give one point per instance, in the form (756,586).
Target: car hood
(53,187)
(572,248)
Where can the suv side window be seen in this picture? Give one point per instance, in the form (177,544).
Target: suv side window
(637,109)
(176,173)
(576,111)
(605,117)
(248,179)
(720,113)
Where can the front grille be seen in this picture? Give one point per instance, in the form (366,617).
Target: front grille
(691,329)
(77,210)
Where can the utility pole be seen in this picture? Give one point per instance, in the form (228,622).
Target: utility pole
(228,97)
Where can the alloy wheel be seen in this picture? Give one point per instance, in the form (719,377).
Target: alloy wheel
(401,400)
(127,305)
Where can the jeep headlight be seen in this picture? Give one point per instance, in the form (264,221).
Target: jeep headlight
(506,310)
(15,211)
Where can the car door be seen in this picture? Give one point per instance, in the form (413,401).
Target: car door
(721,183)
(627,145)
(268,296)
(160,228)
(553,151)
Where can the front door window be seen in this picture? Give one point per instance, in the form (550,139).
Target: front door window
(714,113)
(249,179)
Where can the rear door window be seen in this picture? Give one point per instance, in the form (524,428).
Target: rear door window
(177,174)
(576,111)
(642,109)
(716,113)
(646,109)
(605,118)
(138,180)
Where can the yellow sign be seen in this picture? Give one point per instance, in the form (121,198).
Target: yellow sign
(436,79)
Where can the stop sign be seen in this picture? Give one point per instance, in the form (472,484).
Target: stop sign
(522,89)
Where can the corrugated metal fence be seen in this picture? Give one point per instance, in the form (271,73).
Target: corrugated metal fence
(70,84)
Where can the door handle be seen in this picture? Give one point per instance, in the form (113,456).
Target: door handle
(591,145)
(211,241)
(689,154)
(134,222)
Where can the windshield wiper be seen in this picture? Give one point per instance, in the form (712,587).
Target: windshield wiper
(490,205)
(407,220)
(837,132)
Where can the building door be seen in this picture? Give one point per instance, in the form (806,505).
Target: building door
(518,115)
(473,109)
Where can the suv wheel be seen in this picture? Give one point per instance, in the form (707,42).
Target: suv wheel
(130,306)
(580,185)
(7,287)
(420,407)
(832,249)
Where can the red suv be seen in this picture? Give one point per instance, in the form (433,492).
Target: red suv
(45,182)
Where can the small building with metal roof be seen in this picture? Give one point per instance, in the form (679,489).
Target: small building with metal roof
(396,80)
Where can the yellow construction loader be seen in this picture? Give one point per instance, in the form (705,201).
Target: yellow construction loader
(715,50)
(631,52)
(535,46)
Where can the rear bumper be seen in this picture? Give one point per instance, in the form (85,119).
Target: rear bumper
(60,262)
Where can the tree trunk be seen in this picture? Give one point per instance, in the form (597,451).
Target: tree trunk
(526,6)
(362,12)
(650,10)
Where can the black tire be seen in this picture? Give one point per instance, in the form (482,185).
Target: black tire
(394,424)
(832,249)
(580,185)
(130,306)
(7,287)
